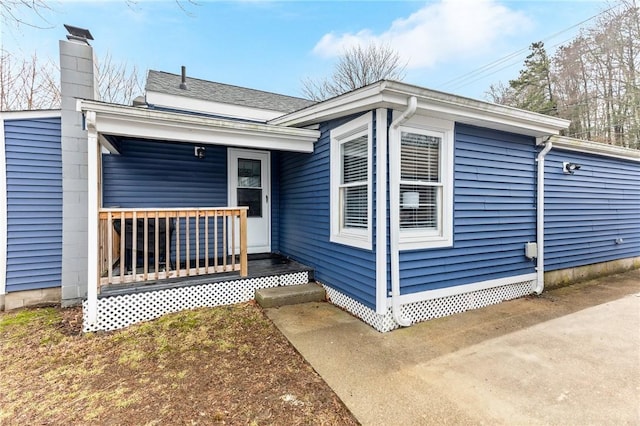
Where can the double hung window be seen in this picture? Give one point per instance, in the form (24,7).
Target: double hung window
(351,183)
(424,173)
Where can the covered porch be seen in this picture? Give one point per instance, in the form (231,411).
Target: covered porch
(154,238)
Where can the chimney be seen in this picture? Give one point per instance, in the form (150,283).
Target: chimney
(78,80)
(80,35)
(183,82)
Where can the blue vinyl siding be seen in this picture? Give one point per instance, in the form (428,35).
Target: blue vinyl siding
(160,174)
(586,212)
(151,174)
(164,174)
(494,214)
(304,223)
(34,203)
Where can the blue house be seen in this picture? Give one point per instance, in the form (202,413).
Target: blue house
(404,203)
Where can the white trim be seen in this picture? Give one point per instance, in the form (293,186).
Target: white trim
(3,211)
(393,94)
(127,121)
(27,115)
(115,312)
(425,306)
(421,239)
(232,182)
(596,148)
(381,211)
(200,105)
(354,128)
(92,217)
(462,289)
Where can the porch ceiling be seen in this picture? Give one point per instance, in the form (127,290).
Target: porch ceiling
(134,122)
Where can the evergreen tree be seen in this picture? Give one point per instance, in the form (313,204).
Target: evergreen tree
(532,90)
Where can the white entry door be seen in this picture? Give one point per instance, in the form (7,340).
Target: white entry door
(250,185)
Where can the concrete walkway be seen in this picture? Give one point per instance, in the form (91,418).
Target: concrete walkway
(570,357)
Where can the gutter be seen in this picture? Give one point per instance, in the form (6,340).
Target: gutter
(412,104)
(540,218)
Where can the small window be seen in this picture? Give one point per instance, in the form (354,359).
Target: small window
(351,183)
(424,177)
(249,191)
(420,184)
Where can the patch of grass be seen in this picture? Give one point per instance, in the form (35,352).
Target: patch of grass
(27,317)
(132,358)
(25,321)
(225,365)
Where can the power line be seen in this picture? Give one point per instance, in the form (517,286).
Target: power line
(490,68)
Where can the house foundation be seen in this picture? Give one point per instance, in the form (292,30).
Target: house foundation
(563,277)
(30,298)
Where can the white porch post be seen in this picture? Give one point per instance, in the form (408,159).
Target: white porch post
(92,217)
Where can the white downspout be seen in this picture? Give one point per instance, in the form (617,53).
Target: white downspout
(412,105)
(540,219)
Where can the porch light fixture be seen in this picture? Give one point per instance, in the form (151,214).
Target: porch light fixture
(199,151)
(570,168)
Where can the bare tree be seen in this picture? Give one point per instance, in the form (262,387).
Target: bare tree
(31,83)
(499,93)
(17,12)
(117,82)
(357,67)
(593,80)
(28,83)
(14,11)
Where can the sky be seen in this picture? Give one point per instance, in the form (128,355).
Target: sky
(273,45)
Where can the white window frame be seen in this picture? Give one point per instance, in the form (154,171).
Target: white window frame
(361,126)
(410,239)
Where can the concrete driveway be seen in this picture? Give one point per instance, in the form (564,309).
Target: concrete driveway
(570,357)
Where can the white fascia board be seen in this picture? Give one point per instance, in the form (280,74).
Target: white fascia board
(596,148)
(134,122)
(392,94)
(481,113)
(364,99)
(209,107)
(27,115)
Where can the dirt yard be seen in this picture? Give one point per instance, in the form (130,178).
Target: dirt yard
(227,365)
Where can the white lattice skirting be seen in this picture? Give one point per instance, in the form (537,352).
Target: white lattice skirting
(433,308)
(121,311)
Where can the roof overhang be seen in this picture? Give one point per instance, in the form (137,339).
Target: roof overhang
(394,95)
(596,148)
(30,114)
(133,122)
(186,103)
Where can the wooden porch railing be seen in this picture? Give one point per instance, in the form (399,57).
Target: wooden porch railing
(137,245)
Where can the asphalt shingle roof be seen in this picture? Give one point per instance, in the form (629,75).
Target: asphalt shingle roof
(167,83)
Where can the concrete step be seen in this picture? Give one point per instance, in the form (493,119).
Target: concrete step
(290,295)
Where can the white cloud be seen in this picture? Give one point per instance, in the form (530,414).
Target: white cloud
(438,32)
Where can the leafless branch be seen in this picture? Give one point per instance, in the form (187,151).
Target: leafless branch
(11,12)
(357,67)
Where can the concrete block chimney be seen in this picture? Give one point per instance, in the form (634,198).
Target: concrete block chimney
(78,80)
